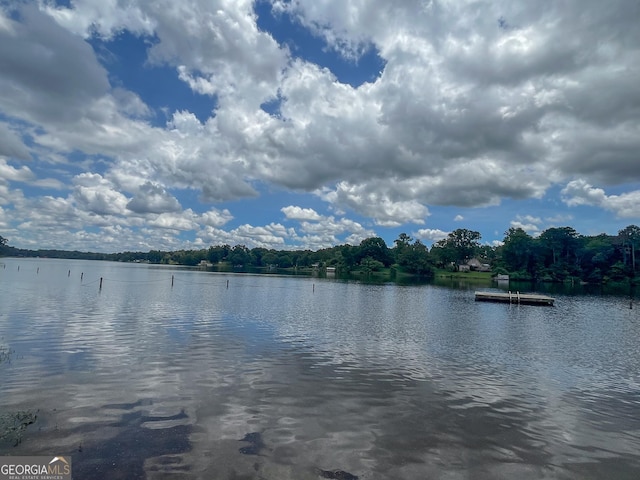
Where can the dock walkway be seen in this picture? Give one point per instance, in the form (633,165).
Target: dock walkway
(515,297)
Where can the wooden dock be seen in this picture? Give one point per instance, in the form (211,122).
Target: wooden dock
(515,297)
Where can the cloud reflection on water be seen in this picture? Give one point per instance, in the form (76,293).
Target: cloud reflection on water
(379,381)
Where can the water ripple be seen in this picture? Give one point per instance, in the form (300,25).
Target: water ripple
(149,380)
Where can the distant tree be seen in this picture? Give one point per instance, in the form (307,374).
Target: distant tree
(306,258)
(284,259)
(466,242)
(296,257)
(630,237)
(346,257)
(219,253)
(518,250)
(415,258)
(598,254)
(240,255)
(617,272)
(444,253)
(257,256)
(155,256)
(560,241)
(459,246)
(560,250)
(4,248)
(327,256)
(269,258)
(487,253)
(186,257)
(376,248)
(402,244)
(369,264)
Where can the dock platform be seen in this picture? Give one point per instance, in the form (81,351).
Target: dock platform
(515,297)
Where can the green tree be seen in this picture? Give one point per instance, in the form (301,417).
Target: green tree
(415,258)
(346,256)
(376,248)
(257,256)
(466,242)
(518,251)
(270,258)
(369,264)
(561,242)
(444,253)
(240,255)
(560,249)
(186,257)
(487,253)
(617,272)
(285,260)
(306,258)
(630,237)
(3,245)
(155,256)
(402,244)
(598,255)
(218,253)
(459,246)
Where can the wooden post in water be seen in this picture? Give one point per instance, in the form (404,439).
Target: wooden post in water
(69,274)
(227,284)
(313,290)
(81,276)
(37,270)
(100,283)
(171,281)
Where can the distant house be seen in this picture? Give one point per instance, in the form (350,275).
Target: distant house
(474,265)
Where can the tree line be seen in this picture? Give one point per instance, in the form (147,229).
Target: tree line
(557,254)
(561,253)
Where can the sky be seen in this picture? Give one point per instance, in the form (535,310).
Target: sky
(132,125)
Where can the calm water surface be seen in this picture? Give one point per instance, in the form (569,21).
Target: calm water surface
(269,377)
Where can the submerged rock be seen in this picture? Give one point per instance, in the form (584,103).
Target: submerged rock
(13,425)
(255,444)
(336,474)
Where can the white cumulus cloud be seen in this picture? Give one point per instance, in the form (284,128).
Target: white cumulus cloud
(579,192)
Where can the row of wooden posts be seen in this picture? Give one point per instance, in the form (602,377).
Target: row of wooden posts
(4,266)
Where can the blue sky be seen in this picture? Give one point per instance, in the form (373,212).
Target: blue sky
(137,125)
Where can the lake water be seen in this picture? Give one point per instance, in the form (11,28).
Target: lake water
(223,376)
